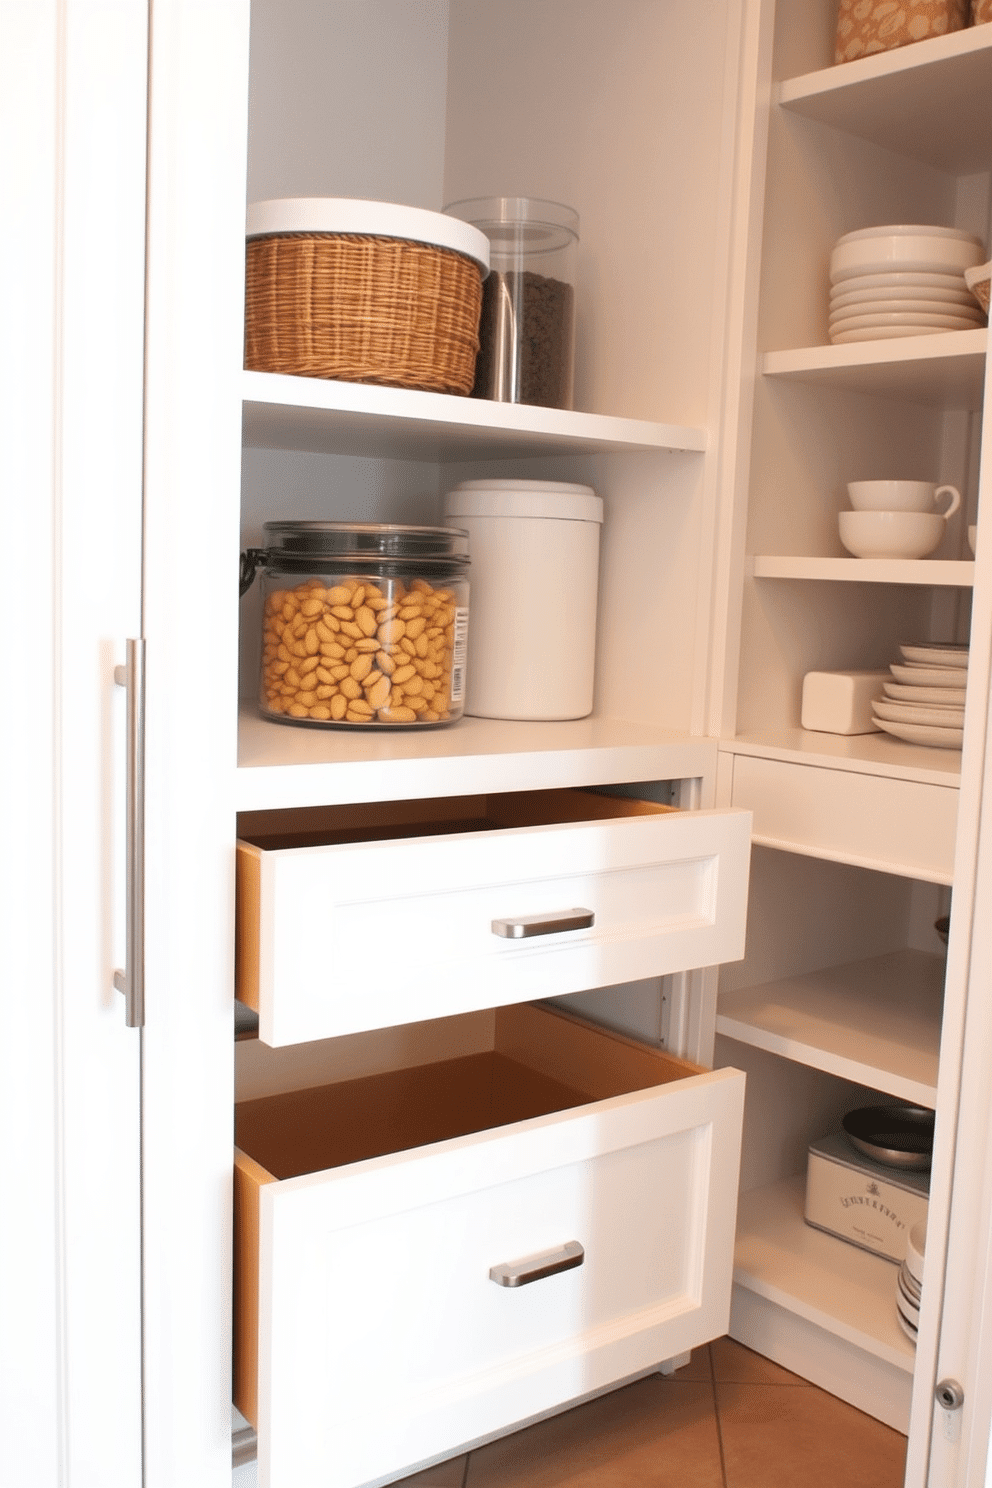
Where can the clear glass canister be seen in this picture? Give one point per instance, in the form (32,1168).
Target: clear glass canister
(527,332)
(363,624)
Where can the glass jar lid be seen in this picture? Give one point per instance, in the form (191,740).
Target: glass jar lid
(522,221)
(368,542)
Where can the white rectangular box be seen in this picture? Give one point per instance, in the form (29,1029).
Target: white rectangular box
(863,1202)
(840,702)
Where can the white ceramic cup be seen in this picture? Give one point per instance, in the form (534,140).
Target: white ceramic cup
(891,534)
(901,496)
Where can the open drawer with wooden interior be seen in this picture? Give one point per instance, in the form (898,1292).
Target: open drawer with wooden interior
(365,916)
(472,1222)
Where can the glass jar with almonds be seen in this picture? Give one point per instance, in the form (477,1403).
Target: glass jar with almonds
(364,624)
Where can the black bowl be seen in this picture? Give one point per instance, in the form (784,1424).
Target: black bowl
(898,1136)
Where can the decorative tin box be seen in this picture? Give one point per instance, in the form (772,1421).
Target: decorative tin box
(860,1201)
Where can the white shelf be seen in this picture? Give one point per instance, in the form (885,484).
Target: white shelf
(945,572)
(282,766)
(928,100)
(943,370)
(839,1288)
(351,418)
(866,754)
(875,1022)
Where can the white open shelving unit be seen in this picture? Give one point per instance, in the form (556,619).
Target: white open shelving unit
(868,821)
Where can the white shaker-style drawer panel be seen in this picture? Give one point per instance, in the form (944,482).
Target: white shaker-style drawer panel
(369,916)
(874,821)
(561,1217)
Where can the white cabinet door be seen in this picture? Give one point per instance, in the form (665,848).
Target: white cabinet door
(73,106)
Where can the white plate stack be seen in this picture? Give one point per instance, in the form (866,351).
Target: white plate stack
(909,1282)
(902,281)
(924,702)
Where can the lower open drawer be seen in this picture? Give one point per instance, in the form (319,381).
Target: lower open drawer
(427,1256)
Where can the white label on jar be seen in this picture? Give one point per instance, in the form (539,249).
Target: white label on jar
(458,652)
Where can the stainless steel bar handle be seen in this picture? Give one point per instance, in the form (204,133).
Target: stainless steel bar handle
(543,924)
(131,981)
(535,1267)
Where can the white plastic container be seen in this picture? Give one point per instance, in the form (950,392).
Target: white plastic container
(534,550)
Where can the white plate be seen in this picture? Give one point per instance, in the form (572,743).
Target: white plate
(918,733)
(907,1328)
(883,318)
(898,295)
(903,279)
(884,333)
(909,305)
(936,716)
(937,653)
(924,676)
(906,230)
(909,1282)
(947,695)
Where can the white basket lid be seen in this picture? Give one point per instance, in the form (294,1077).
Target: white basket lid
(351,215)
(524,498)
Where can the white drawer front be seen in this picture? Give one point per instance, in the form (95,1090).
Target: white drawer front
(896,826)
(371,935)
(384,1342)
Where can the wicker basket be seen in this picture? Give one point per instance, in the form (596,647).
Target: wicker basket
(868,26)
(977,281)
(363,306)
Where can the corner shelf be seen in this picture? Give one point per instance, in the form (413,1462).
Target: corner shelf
(943,370)
(875,1022)
(928,572)
(865,754)
(845,1291)
(350,418)
(926,100)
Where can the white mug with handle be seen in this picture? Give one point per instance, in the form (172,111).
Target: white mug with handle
(901,495)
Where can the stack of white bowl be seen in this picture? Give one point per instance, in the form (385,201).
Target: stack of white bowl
(924,702)
(909,1281)
(904,280)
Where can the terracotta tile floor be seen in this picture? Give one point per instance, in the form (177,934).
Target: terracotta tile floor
(729,1419)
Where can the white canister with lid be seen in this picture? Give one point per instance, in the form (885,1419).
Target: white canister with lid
(534,549)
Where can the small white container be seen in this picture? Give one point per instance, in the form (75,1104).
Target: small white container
(840,702)
(534,550)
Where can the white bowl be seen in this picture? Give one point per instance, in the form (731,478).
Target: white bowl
(920,254)
(900,496)
(906,230)
(890,534)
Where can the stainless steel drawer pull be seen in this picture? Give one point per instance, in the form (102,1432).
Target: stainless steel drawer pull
(544,924)
(131,981)
(536,1267)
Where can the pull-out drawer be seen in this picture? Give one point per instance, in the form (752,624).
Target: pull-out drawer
(360,917)
(873,821)
(426,1257)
